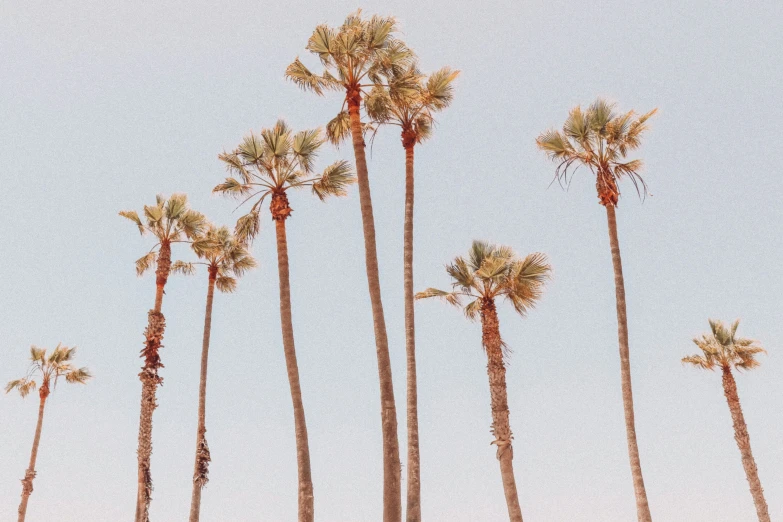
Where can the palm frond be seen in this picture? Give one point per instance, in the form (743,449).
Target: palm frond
(247,227)
(335,180)
(182,267)
(226,284)
(146,262)
(453,298)
(339,128)
(78,376)
(133,216)
(232,187)
(305,147)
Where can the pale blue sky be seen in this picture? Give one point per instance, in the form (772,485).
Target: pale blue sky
(103,104)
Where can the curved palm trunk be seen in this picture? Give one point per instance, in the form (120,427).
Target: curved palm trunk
(642,507)
(280,211)
(496,370)
(201,468)
(150,380)
(414,474)
(392,493)
(29,474)
(743,443)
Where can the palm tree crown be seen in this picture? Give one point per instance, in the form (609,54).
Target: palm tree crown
(50,368)
(599,139)
(722,348)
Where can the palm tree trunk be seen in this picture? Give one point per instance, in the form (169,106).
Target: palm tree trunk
(201,468)
(501,429)
(743,443)
(414,474)
(29,475)
(306,509)
(156,325)
(642,507)
(392,493)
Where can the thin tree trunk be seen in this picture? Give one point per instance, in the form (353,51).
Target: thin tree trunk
(392,494)
(150,380)
(29,475)
(201,467)
(743,443)
(642,507)
(306,508)
(414,474)
(501,429)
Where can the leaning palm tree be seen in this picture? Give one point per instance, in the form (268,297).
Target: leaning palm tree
(599,139)
(721,348)
(357,55)
(226,259)
(169,221)
(410,101)
(488,273)
(49,369)
(269,164)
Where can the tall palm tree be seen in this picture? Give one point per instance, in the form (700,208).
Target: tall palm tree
(49,369)
(599,139)
(488,273)
(269,164)
(410,102)
(169,221)
(357,55)
(721,348)
(226,259)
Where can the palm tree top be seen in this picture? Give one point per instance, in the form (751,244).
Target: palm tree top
(224,254)
(722,348)
(490,271)
(600,139)
(50,368)
(273,161)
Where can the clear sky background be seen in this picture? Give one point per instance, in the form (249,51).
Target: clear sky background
(103,104)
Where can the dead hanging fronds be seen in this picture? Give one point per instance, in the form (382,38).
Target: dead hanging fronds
(203,458)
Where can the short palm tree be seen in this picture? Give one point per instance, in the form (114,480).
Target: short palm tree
(49,369)
(169,221)
(269,164)
(226,259)
(722,349)
(488,273)
(599,139)
(410,102)
(358,55)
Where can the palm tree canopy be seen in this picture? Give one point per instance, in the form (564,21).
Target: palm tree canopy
(490,271)
(599,139)
(722,348)
(273,161)
(50,368)
(169,220)
(224,254)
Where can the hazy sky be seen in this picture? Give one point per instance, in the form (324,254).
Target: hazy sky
(103,104)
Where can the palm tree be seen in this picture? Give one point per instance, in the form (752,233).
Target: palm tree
(410,103)
(50,369)
(226,259)
(356,56)
(269,164)
(488,273)
(169,221)
(600,139)
(723,349)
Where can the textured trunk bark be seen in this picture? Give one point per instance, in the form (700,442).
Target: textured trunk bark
(743,443)
(501,429)
(29,475)
(392,493)
(306,508)
(149,383)
(414,473)
(201,467)
(642,507)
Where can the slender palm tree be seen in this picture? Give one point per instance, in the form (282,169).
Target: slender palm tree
(599,139)
(488,273)
(269,164)
(721,348)
(410,102)
(169,221)
(356,56)
(49,368)
(226,259)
